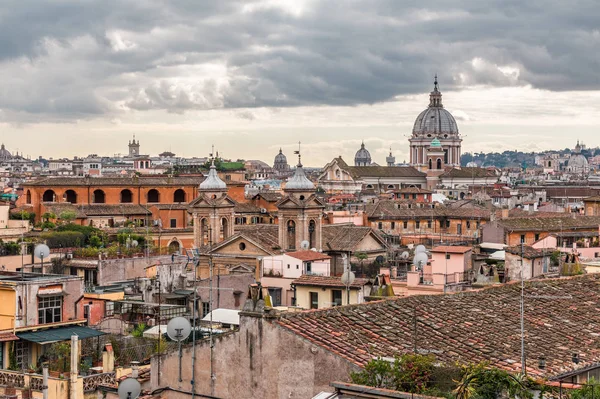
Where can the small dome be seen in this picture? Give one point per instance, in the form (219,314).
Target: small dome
(4,153)
(299,181)
(212,181)
(280,161)
(362,157)
(577,161)
(436,143)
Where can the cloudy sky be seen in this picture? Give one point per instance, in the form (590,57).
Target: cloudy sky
(83,76)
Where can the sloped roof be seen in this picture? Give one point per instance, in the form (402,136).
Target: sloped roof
(384,171)
(265,236)
(387,209)
(561,318)
(117,181)
(550,223)
(83,211)
(469,173)
(269,196)
(346,237)
(528,251)
(308,255)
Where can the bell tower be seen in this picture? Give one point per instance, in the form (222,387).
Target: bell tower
(300,212)
(213,211)
(134,148)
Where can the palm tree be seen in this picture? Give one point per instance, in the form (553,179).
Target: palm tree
(480,381)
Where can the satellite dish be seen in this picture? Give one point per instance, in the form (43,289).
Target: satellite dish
(348,278)
(179,328)
(305,245)
(420,259)
(134,243)
(129,388)
(420,248)
(405,255)
(41,251)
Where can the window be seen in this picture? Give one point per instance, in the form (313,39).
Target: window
(447,224)
(417,224)
(86,311)
(179,196)
(22,354)
(153,196)
(414,196)
(523,238)
(90,277)
(468,224)
(205,308)
(109,309)
(336,297)
(429,224)
(173,223)
(459,228)
(380,225)
(50,310)
(314,300)
(275,294)
(447,256)
(242,246)
(98,197)
(227,177)
(405,224)
(297,267)
(126,196)
(537,236)
(308,268)
(288,265)
(393,225)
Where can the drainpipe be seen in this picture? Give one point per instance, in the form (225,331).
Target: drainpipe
(74,367)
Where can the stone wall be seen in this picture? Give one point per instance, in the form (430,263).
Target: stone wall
(111,270)
(261,360)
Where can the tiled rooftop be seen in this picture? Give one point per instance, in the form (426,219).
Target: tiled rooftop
(562,317)
(308,255)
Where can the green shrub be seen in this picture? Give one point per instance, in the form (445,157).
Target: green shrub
(64,239)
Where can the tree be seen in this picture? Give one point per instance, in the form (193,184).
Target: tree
(482,382)
(67,216)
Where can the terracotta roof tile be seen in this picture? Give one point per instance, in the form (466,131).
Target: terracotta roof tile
(308,255)
(561,318)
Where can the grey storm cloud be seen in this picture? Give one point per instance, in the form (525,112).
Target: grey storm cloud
(65,60)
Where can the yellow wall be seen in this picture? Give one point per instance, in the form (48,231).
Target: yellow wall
(325,298)
(7,307)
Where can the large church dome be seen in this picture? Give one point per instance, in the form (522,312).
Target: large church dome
(281,163)
(362,157)
(4,153)
(435,121)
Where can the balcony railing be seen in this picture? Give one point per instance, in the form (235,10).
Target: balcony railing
(91,382)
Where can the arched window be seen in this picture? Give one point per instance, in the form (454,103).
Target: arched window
(439,163)
(204,232)
(390,186)
(71,196)
(312,227)
(126,196)
(174,247)
(48,196)
(430,164)
(98,197)
(291,234)
(179,196)
(224,226)
(28,197)
(153,196)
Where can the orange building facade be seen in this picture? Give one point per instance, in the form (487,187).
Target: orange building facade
(145,191)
